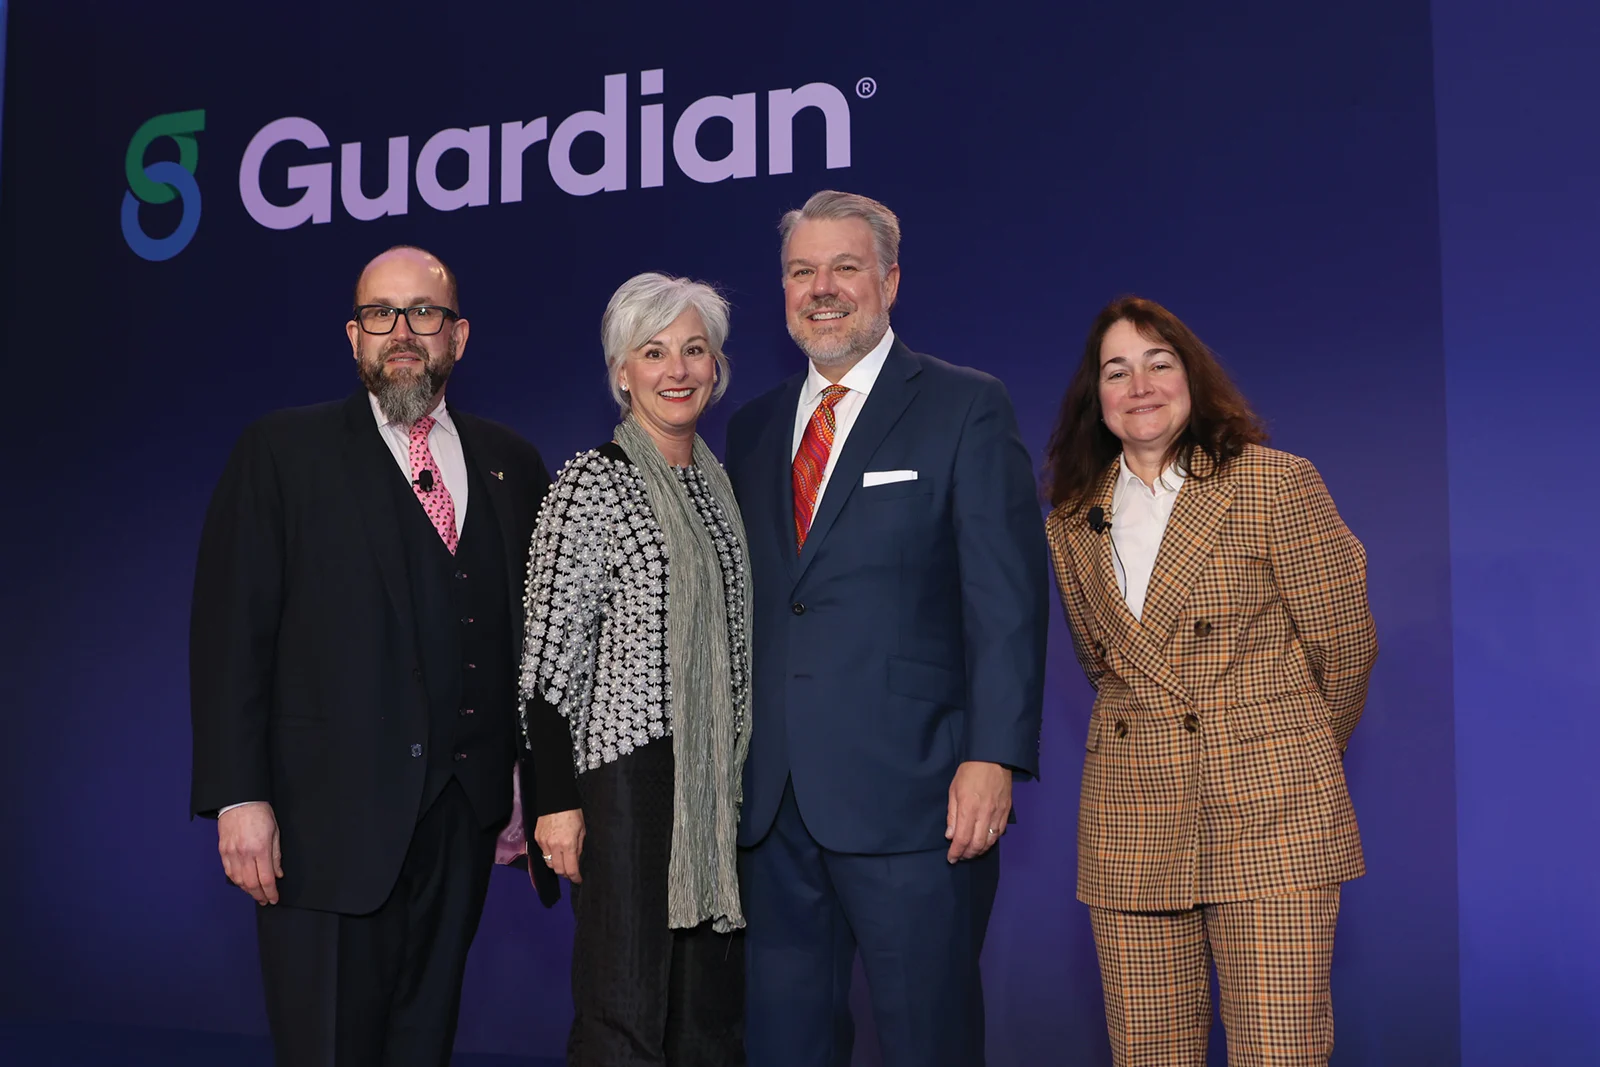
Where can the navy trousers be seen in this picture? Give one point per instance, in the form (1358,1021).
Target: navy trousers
(918,922)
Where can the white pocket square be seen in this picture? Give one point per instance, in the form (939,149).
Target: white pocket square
(871,478)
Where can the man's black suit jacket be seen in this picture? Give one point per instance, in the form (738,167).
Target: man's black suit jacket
(305,678)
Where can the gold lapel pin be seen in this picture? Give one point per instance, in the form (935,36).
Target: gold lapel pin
(499,474)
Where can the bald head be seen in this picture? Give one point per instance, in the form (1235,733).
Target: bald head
(407,265)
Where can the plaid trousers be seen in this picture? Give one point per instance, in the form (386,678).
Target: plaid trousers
(1273,956)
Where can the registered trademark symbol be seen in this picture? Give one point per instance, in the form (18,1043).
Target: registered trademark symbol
(866,88)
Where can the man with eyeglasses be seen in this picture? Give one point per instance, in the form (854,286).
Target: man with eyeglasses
(355,638)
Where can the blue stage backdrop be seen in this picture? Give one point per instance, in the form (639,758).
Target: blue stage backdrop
(190,190)
(1519,170)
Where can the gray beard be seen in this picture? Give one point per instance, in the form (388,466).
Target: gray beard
(847,349)
(405,400)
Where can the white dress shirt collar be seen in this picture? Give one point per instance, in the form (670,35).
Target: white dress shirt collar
(859,378)
(1170,481)
(441,417)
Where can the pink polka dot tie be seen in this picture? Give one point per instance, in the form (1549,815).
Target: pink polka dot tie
(436,501)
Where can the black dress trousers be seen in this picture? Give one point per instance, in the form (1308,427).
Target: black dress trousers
(644,993)
(382,990)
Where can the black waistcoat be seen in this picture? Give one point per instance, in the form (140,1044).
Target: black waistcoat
(464,640)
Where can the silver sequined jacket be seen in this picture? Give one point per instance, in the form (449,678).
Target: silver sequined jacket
(596,605)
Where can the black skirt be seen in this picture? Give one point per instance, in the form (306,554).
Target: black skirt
(644,993)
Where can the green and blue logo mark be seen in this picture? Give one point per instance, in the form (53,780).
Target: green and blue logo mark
(161,183)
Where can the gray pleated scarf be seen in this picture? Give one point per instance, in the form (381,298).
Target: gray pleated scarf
(710,736)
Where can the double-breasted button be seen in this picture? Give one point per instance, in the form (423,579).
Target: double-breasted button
(1191,723)
(461,575)
(459,756)
(416,750)
(1202,628)
(466,620)
(798,609)
(1121,729)
(470,666)
(464,711)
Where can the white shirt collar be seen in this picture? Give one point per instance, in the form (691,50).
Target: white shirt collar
(1171,479)
(859,378)
(441,416)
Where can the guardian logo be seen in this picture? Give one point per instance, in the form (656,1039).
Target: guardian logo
(618,167)
(160,183)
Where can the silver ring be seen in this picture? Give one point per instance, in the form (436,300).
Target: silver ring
(991,831)
(546,858)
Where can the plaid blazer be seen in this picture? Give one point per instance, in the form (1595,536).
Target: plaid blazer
(1214,768)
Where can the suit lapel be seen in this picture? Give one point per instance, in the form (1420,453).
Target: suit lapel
(891,394)
(490,475)
(1191,535)
(1093,552)
(369,467)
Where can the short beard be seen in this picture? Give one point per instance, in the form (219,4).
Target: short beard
(405,399)
(848,347)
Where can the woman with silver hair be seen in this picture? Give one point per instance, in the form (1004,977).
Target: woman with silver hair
(636,699)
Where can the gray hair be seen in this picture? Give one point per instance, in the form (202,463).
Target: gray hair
(646,304)
(832,204)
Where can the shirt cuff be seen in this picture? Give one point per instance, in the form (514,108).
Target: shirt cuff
(243,803)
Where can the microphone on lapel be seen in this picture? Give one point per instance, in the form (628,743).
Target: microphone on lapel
(1100,524)
(425,481)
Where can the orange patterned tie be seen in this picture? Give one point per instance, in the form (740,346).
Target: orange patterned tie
(812,460)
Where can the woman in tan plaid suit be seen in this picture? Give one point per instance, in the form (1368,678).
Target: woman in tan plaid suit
(1218,605)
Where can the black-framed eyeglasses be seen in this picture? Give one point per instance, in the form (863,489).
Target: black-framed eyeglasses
(423,320)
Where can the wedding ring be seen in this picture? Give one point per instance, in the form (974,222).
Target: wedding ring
(991,831)
(547,857)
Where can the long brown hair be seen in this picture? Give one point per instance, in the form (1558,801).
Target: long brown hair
(1081,446)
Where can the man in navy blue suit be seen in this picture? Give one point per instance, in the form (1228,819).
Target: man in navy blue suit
(899,566)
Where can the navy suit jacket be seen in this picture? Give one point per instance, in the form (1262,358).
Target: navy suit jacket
(909,635)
